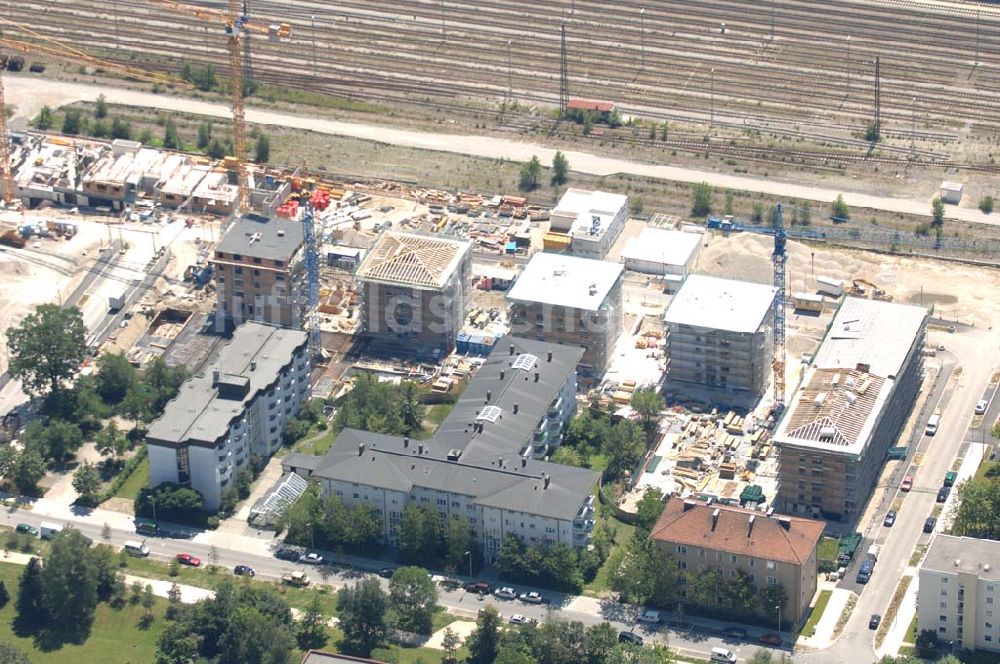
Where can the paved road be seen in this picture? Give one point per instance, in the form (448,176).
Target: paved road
(29,93)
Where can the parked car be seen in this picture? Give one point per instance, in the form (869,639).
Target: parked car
(505,593)
(907,483)
(188,559)
(532,598)
(890,518)
(650,616)
(27,529)
(311,558)
(943,494)
(929,524)
(735,632)
(518,619)
(287,554)
(297,579)
(478,587)
(771,639)
(244,570)
(981,406)
(629,637)
(874,621)
(386,572)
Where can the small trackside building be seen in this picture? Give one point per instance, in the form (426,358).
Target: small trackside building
(238,408)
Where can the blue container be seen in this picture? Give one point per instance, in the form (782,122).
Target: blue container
(462,342)
(476,346)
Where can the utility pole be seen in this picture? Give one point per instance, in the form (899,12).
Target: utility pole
(913,128)
(115,10)
(711,102)
(313,19)
(878,98)
(977,35)
(563,72)
(848,65)
(642,39)
(510,75)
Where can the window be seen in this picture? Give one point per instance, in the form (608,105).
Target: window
(443,502)
(701,553)
(733,559)
(989,625)
(772,580)
(237,270)
(944,605)
(770,565)
(944,593)
(682,550)
(942,618)
(682,564)
(256,261)
(942,629)
(987,638)
(989,600)
(455,503)
(356,495)
(753,563)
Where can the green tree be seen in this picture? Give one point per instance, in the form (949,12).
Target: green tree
(30,607)
(100,129)
(263,149)
(72,122)
(204,135)
(450,642)
(484,642)
(138,403)
(381,407)
(701,199)
(121,129)
(101,107)
(805,214)
(216,149)
(104,562)
(171,139)
(61,439)
(44,120)
(531,173)
(937,215)
(361,609)
(28,470)
(419,534)
(623,446)
(648,402)
(111,442)
(560,168)
(772,597)
(513,652)
(600,640)
(729,203)
(414,599)
(87,483)
(69,584)
(11,655)
(458,538)
(568,456)
(47,348)
(665,133)
(648,509)
(204,78)
(164,381)
(115,375)
(872,134)
(986,204)
(311,632)
(760,656)
(170,500)
(840,208)
(978,513)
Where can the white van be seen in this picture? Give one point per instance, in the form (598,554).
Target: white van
(137,549)
(49,530)
(650,616)
(723,655)
(932,425)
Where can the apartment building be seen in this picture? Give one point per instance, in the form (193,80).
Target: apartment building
(483,463)
(849,409)
(257,265)
(415,290)
(236,409)
(589,221)
(720,335)
(570,300)
(665,253)
(771,548)
(959,593)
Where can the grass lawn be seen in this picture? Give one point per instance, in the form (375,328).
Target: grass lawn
(601,583)
(316,442)
(911,632)
(437,413)
(133,485)
(828,549)
(981,471)
(817,612)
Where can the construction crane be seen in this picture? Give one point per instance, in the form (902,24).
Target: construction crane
(779,258)
(237,26)
(57,49)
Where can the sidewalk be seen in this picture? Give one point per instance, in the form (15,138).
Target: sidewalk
(896,635)
(824,637)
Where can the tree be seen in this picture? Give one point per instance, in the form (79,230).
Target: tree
(450,641)
(204,135)
(72,122)
(101,107)
(69,584)
(937,214)
(100,129)
(729,203)
(115,375)
(204,78)
(164,381)
(531,173)
(600,640)
(170,499)
(458,539)
(648,509)
(484,642)
(419,534)
(414,598)
(771,598)
(216,149)
(701,199)
(361,610)
(29,607)
(381,407)
(560,168)
(623,446)
(872,134)
(121,129)
(568,456)
(171,139)
(648,402)
(805,214)
(978,513)
(263,148)
(840,208)
(28,470)
(11,655)
(47,348)
(986,204)
(111,442)
(87,483)
(62,438)
(138,403)
(312,627)
(44,120)
(926,643)
(513,652)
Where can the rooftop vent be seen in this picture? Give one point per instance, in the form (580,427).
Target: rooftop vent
(548,356)
(850,396)
(827,433)
(819,399)
(715,517)
(454,454)
(835,381)
(420,448)
(515,409)
(525,362)
(770,512)
(592,289)
(361,449)
(545,480)
(253,365)
(785,522)
(750,524)
(512,349)
(281,233)
(958,561)
(489,414)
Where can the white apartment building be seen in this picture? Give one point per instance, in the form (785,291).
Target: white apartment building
(593,220)
(238,408)
(959,593)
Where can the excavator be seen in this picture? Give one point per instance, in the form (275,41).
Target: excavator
(865,288)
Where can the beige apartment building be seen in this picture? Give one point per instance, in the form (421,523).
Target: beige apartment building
(771,548)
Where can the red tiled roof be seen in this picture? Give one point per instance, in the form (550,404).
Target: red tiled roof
(590,105)
(767,539)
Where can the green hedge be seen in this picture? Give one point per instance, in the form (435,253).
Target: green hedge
(123,476)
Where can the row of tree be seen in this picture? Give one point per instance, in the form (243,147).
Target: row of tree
(595,436)
(702,195)
(531,172)
(558,567)
(328,523)
(978,513)
(381,407)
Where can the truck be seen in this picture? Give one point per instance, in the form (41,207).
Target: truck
(13,239)
(867,568)
(116,302)
(50,530)
(297,579)
(848,547)
(873,552)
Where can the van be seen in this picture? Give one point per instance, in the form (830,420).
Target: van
(723,655)
(932,425)
(650,616)
(137,549)
(50,530)
(873,552)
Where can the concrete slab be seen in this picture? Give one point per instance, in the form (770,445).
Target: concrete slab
(461,627)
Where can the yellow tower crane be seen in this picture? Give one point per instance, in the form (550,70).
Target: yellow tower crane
(49,46)
(237,26)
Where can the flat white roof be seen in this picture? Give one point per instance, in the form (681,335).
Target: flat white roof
(720,304)
(584,206)
(657,245)
(569,281)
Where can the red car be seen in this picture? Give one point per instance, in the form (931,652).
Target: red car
(771,639)
(188,559)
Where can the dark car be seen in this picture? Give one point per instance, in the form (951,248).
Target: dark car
(874,621)
(735,632)
(244,570)
(630,637)
(386,572)
(478,587)
(943,494)
(890,518)
(287,554)
(771,639)
(929,524)
(27,529)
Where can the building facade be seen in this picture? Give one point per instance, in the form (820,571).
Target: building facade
(771,548)
(849,409)
(257,267)
(569,300)
(415,290)
(959,593)
(719,338)
(238,408)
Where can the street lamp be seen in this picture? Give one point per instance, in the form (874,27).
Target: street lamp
(777,609)
(152,501)
(469,554)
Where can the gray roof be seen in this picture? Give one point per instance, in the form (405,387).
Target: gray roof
(972,556)
(721,304)
(566,281)
(248,364)
(261,237)
(323,657)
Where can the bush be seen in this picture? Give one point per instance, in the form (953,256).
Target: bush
(926,643)
(171,501)
(986,204)
(123,476)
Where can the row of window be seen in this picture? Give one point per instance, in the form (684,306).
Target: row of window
(256,260)
(682,550)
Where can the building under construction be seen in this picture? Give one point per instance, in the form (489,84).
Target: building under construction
(850,409)
(720,339)
(415,290)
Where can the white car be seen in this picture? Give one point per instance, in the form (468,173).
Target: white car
(532,598)
(650,616)
(311,559)
(505,593)
(981,406)
(518,619)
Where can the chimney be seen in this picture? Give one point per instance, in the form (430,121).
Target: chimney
(420,448)
(545,480)
(785,522)
(715,517)
(500,462)
(770,512)
(537,375)
(548,356)
(689,504)
(253,365)
(215,377)
(512,349)
(515,409)
(524,462)
(489,395)
(406,442)
(750,524)
(502,374)
(361,449)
